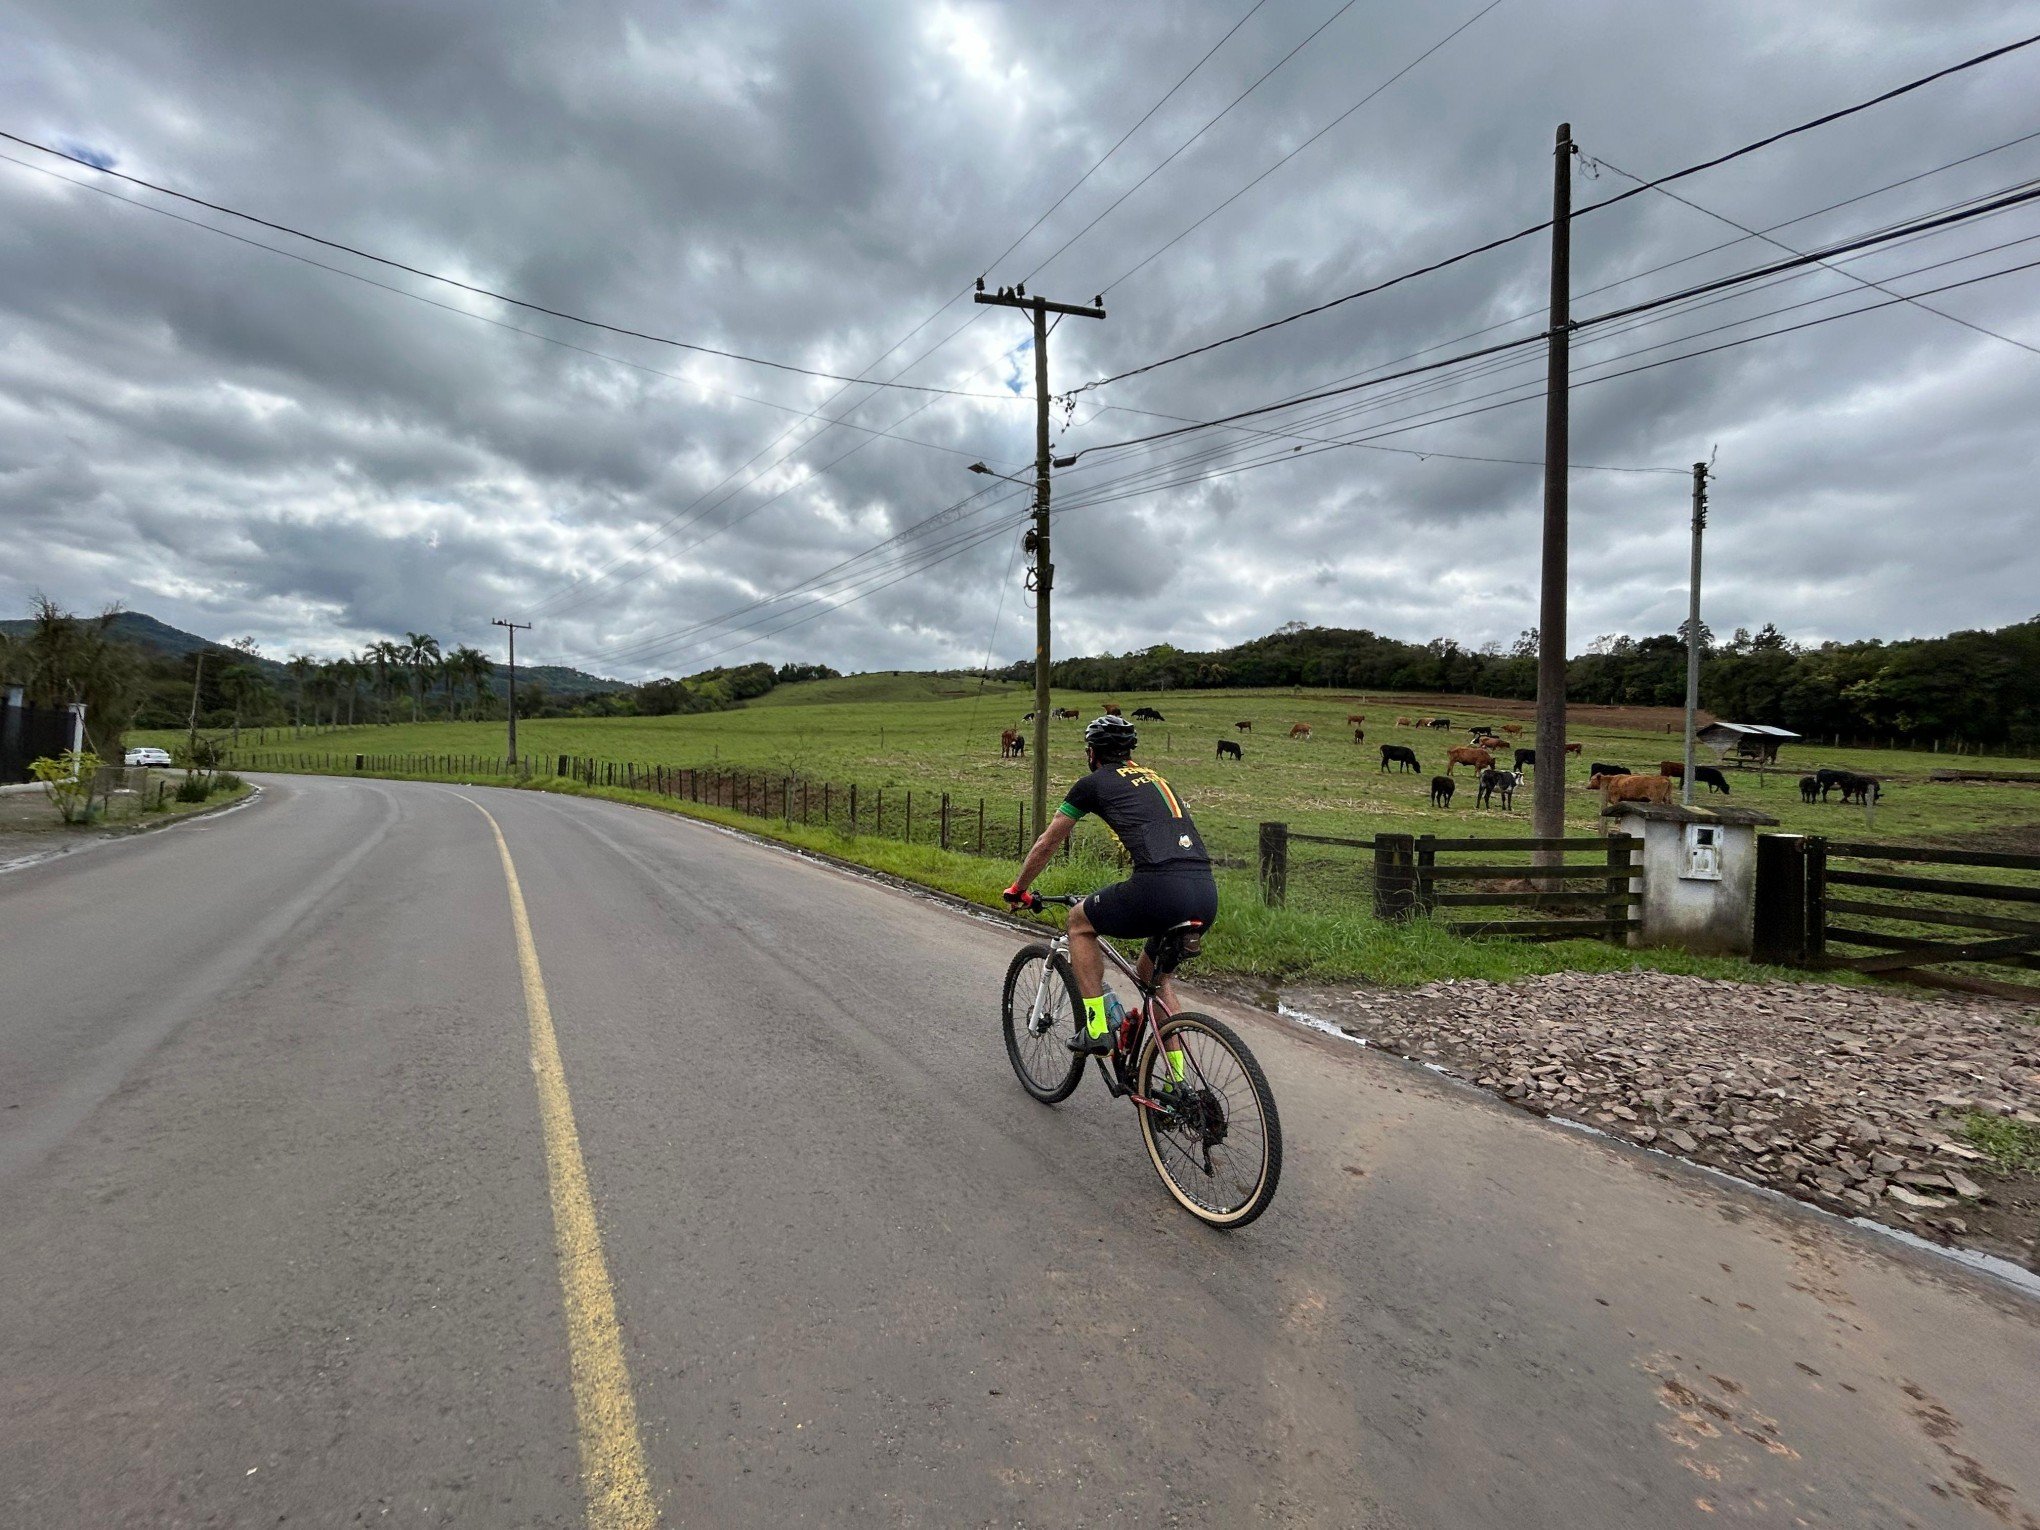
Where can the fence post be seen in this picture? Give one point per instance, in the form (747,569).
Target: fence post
(1394,892)
(1274,864)
(853,807)
(909,835)
(981,826)
(880,829)
(1791,901)
(785,799)
(1621,857)
(1816,899)
(944,835)
(1423,885)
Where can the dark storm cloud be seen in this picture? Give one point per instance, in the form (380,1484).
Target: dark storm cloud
(237,442)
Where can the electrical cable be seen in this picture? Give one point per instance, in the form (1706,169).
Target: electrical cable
(480,291)
(1535,228)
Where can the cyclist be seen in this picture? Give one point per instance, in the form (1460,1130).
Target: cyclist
(1171,879)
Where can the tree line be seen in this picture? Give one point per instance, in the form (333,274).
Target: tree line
(1976,687)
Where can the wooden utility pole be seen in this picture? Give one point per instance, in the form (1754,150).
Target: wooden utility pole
(1547,802)
(1693,627)
(515,628)
(191,733)
(1037,540)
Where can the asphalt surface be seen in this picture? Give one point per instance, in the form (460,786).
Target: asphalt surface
(276,1242)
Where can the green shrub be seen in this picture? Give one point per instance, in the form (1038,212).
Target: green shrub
(194,788)
(68,779)
(226,781)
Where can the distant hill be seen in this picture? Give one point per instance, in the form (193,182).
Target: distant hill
(146,633)
(884,685)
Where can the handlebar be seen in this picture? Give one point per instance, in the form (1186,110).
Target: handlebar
(1035,902)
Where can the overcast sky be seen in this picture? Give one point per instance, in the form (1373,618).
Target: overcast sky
(238,442)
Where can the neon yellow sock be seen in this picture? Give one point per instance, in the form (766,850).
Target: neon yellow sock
(1094,1012)
(1176,1065)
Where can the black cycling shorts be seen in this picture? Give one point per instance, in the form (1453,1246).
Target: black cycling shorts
(1150,903)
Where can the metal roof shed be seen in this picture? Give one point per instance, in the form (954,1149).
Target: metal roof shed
(1759,739)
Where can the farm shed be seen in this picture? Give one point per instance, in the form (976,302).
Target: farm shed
(1751,740)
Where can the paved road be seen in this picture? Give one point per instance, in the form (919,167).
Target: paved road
(280,1244)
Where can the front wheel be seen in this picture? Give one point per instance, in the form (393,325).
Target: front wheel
(1214,1139)
(1039,1014)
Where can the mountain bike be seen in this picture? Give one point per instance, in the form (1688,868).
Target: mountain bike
(1206,1113)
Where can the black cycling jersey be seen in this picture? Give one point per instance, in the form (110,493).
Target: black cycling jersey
(1146,814)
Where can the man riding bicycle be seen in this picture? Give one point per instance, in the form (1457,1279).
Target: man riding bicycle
(1171,879)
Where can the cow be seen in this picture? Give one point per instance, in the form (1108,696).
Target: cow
(1471,755)
(1442,788)
(1488,741)
(1512,728)
(1069,714)
(1402,722)
(1442,722)
(1359,735)
(1112,709)
(1525,759)
(1012,746)
(1671,768)
(1574,748)
(1227,749)
(1244,727)
(1401,755)
(1602,768)
(1478,729)
(1712,778)
(1301,730)
(1028,718)
(1148,714)
(1809,788)
(1629,788)
(1863,789)
(1356,718)
(1498,782)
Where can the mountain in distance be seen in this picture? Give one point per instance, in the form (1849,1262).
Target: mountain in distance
(153,636)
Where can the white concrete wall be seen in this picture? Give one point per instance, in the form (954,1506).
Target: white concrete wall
(1709,916)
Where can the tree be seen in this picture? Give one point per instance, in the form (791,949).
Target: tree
(242,685)
(300,667)
(65,659)
(423,650)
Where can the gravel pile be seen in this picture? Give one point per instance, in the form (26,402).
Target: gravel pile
(1851,1098)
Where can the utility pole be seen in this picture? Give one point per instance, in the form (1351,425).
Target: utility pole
(1037,540)
(515,628)
(1547,802)
(1693,626)
(191,737)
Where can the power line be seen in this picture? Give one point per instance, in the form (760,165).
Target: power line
(1285,159)
(1537,228)
(480,291)
(1789,249)
(479,318)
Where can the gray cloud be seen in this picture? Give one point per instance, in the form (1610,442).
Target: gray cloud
(238,442)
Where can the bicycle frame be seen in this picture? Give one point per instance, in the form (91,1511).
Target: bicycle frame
(1151,1002)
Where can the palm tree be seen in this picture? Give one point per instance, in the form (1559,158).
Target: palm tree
(383,656)
(241,684)
(422,649)
(300,667)
(478,670)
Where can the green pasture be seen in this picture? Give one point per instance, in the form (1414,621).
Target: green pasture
(934,733)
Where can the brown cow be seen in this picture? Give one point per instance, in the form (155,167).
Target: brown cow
(1471,755)
(1068,713)
(1112,709)
(1356,718)
(1301,730)
(1402,722)
(1244,727)
(1512,727)
(1012,746)
(1672,768)
(1574,748)
(1488,741)
(1631,788)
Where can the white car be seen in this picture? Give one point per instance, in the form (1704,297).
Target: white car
(148,754)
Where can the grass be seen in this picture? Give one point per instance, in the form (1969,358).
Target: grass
(2012,1145)
(921,733)
(936,733)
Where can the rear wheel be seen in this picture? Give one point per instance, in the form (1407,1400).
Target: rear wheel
(1039,1014)
(1215,1140)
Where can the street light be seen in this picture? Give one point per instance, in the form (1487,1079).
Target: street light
(979,467)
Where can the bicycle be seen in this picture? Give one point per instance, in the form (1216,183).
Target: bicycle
(1207,1115)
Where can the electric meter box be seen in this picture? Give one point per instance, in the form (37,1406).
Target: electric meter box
(1703,853)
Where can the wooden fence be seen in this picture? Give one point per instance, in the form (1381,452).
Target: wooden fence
(1423,875)
(1814,893)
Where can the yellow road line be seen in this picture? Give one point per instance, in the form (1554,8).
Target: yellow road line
(612,1454)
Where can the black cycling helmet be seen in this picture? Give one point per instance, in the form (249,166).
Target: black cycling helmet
(1110,735)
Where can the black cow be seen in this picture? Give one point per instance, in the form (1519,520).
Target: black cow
(1399,754)
(1227,749)
(1493,782)
(1525,758)
(1442,789)
(1442,722)
(1148,714)
(1602,768)
(1480,732)
(1809,788)
(1712,779)
(1863,789)
(1028,718)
